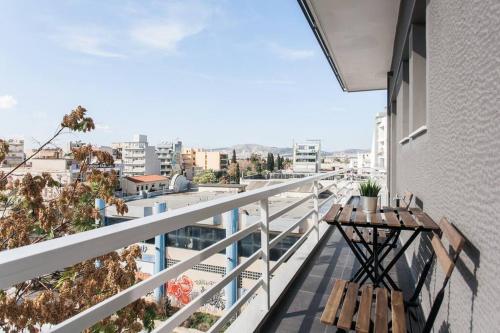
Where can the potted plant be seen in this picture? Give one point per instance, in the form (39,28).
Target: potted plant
(369,195)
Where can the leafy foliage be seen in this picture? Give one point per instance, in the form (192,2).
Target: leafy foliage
(369,188)
(28,216)
(206,177)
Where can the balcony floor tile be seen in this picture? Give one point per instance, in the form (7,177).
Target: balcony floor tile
(300,308)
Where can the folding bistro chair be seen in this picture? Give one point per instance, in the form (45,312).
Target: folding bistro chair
(349,306)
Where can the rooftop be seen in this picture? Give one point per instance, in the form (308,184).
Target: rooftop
(147,179)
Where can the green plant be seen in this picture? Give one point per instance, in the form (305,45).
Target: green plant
(369,188)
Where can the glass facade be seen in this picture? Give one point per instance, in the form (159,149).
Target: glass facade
(200,237)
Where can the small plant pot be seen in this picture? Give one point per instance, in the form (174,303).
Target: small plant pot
(369,204)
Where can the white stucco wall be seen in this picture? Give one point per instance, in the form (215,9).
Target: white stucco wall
(454,168)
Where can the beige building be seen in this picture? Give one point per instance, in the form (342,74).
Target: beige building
(132,185)
(212,160)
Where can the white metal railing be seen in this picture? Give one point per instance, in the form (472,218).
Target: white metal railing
(27,262)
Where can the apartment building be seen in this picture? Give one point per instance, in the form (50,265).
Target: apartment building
(169,154)
(307,156)
(379,142)
(16,153)
(138,157)
(211,160)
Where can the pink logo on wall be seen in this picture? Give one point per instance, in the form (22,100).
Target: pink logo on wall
(180,289)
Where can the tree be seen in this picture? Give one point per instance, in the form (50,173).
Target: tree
(270,162)
(279,162)
(234,172)
(206,177)
(233,159)
(28,217)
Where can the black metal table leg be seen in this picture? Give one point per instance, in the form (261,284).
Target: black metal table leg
(353,249)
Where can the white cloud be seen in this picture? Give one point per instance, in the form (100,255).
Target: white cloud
(165,35)
(173,23)
(289,53)
(7,102)
(94,42)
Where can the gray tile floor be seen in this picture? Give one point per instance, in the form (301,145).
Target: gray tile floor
(300,308)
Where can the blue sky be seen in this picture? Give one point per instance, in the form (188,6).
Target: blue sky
(212,73)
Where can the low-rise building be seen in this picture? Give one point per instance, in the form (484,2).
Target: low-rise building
(132,185)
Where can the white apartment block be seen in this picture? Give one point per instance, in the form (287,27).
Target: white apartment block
(379,142)
(138,157)
(16,152)
(169,154)
(307,156)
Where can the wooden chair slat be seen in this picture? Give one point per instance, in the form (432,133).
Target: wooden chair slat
(347,312)
(391,219)
(332,213)
(425,220)
(364,310)
(408,196)
(452,235)
(408,220)
(333,303)
(382,234)
(345,215)
(381,307)
(398,312)
(349,232)
(443,258)
(367,235)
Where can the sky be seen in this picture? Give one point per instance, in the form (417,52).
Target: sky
(211,73)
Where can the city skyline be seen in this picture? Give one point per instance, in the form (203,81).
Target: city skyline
(213,73)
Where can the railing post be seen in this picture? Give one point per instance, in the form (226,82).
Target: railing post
(101,206)
(160,251)
(264,241)
(230,220)
(315,214)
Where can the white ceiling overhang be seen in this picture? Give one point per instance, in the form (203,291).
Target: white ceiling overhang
(357,37)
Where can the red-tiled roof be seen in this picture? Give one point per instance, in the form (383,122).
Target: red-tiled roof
(146,179)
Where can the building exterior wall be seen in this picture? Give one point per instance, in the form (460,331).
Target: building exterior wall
(138,157)
(454,168)
(211,160)
(379,142)
(16,155)
(307,156)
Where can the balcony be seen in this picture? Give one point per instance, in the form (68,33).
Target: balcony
(24,263)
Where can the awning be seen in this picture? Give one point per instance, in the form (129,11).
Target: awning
(357,37)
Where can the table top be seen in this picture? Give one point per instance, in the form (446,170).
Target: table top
(387,217)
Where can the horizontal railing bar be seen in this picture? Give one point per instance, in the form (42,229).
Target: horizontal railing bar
(116,302)
(23,263)
(324,189)
(219,324)
(190,308)
(290,207)
(283,234)
(291,250)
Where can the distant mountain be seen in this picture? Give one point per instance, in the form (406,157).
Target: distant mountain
(245,150)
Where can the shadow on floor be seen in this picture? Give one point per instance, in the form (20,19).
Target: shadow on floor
(300,308)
